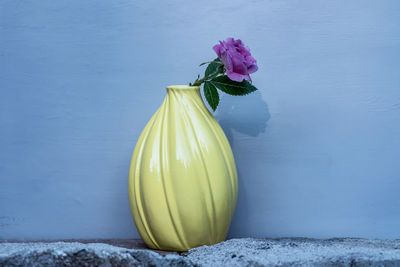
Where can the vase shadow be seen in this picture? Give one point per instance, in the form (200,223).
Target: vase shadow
(248,115)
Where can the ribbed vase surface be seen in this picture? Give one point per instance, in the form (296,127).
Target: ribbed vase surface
(182,178)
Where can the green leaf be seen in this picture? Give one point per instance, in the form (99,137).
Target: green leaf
(213,66)
(204,63)
(211,94)
(228,86)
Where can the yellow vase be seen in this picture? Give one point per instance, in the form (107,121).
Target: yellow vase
(182,178)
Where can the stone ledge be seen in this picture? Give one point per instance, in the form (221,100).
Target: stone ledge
(234,252)
(79,254)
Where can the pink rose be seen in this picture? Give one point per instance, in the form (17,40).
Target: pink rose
(237,59)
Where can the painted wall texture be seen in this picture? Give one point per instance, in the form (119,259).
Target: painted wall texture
(317,147)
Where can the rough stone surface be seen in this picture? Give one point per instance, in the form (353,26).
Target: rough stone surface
(234,252)
(79,254)
(299,252)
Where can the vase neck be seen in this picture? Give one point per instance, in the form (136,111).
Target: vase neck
(184,90)
(182,95)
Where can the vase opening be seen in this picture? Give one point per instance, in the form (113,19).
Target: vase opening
(182,87)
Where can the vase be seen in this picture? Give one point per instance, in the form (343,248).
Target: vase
(182,178)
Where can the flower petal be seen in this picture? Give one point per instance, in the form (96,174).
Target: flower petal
(234,76)
(217,49)
(238,64)
(226,59)
(252,68)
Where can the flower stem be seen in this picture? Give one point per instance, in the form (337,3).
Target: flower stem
(205,78)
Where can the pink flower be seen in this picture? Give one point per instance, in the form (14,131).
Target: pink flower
(237,59)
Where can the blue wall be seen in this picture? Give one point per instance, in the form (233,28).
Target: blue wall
(317,147)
